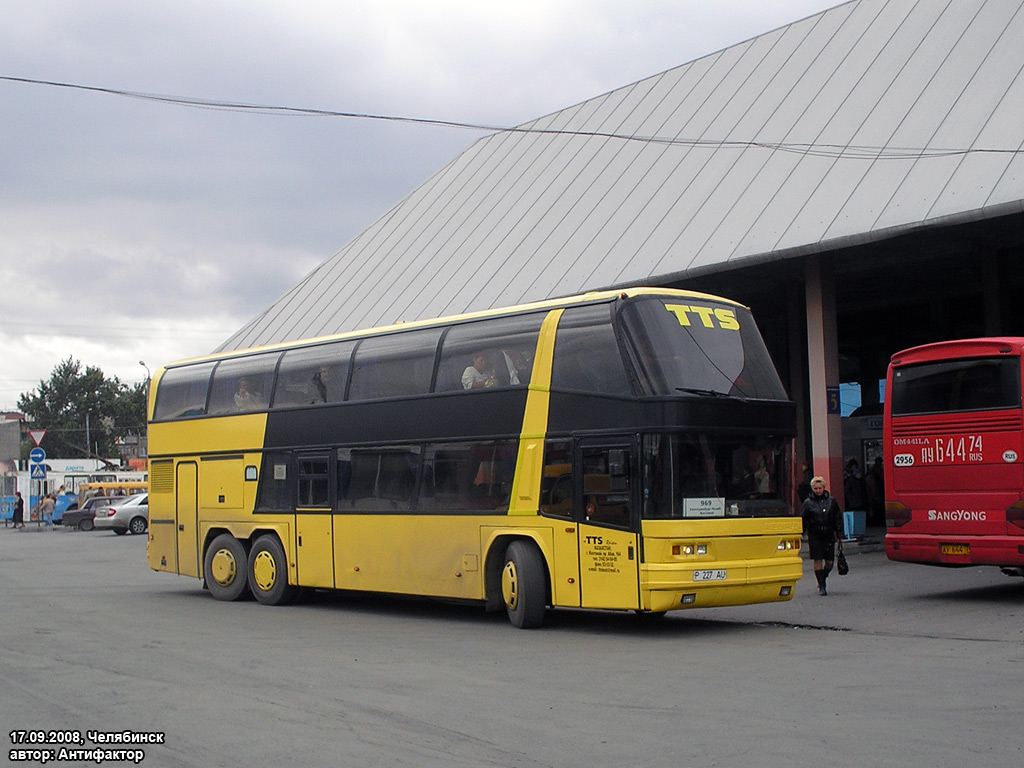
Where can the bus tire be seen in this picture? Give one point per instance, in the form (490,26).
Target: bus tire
(524,585)
(226,568)
(268,572)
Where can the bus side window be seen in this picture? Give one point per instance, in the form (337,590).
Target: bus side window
(181,392)
(395,365)
(276,484)
(313,375)
(556,481)
(242,384)
(377,479)
(508,343)
(467,476)
(587,357)
(314,481)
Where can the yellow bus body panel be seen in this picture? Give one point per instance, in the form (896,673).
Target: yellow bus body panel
(745,549)
(529,464)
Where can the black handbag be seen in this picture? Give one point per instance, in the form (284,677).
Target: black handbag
(842,566)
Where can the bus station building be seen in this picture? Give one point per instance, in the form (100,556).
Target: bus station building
(855,177)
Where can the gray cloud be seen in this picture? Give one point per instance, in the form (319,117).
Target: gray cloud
(190,220)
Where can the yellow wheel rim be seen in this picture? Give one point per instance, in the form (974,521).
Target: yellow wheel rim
(264,571)
(223,567)
(510,585)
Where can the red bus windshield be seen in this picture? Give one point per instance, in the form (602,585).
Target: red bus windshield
(954,434)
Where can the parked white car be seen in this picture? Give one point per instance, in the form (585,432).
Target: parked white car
(130,515)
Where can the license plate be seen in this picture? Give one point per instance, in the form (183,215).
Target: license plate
(955,549)
(718,575)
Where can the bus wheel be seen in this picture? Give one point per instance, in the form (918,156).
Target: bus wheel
(523,585)
(268,572)
(224,567)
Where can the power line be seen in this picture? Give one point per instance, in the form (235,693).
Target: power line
(845,151)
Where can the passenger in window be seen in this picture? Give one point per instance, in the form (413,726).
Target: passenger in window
(245,399)
(478,375)
(514,369)
(321,381)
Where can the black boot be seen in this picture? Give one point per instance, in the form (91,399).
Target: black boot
(820,576)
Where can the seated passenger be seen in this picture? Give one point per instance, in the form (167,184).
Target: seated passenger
(245,400)
(516,368)
(321,379)
(477,375)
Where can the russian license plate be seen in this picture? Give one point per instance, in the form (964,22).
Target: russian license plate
(954,549)
(716,575)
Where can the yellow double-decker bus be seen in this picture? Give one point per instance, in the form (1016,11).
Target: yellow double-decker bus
(625,450)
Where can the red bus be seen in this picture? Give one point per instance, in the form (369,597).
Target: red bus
(954,442)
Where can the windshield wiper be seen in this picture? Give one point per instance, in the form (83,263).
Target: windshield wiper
(712,393)
(706,392)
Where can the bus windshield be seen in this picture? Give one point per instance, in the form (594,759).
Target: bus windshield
(950,386)
(700,475)
(699,348)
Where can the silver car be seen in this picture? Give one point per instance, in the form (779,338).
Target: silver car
(128,515)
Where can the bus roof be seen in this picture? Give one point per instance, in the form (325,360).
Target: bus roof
(565,301)
(957,348)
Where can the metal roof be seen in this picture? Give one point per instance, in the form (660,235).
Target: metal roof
(867,120)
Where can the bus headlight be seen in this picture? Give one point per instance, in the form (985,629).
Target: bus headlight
(787,544)
(689,549)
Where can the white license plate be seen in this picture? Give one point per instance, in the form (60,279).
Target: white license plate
(718,575)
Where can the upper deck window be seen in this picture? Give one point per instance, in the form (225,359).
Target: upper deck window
(242,384)
(394,365)
(503,348)
(313,375)
(949,386)
(587,356)
(182,392)
(698,346)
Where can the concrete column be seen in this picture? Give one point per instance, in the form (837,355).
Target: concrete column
(823,373)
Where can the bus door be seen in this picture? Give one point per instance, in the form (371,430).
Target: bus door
(186,518)
(606,511)
(314,534)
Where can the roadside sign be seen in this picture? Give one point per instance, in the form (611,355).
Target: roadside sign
(37,455)
(38,472)
(37,435)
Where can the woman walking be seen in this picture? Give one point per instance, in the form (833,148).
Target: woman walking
(823,524)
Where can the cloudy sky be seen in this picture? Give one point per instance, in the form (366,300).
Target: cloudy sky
(132,229)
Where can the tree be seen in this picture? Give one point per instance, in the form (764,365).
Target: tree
(61,405)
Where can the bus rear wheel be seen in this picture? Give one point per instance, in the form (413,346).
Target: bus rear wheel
(225,568)
(523,585)
(268,572)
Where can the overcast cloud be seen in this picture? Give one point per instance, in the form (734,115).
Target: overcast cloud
(132,230)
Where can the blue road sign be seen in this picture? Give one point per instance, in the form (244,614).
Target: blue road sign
(37,455)
(38,472)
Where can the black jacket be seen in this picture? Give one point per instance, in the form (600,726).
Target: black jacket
(822,517)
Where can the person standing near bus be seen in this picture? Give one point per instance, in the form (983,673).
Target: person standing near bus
(19,511)
(46,508)
(823,524)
